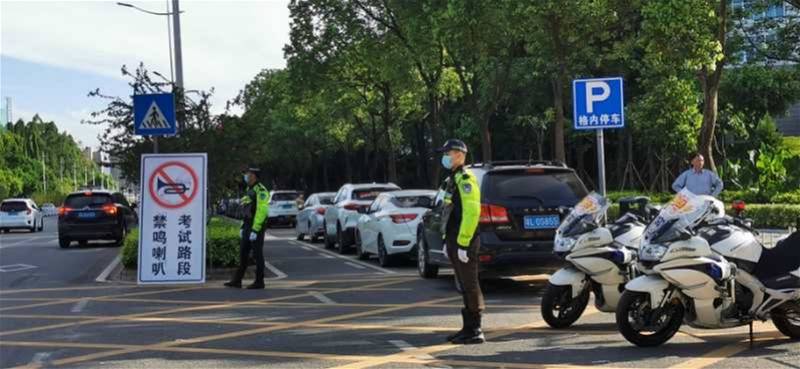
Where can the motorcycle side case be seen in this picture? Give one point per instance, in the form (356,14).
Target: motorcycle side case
(569,276)
(596,263)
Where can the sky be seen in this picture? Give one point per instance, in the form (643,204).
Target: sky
(52,53)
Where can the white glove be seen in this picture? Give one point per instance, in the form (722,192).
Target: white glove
(444,251)
(462,255)
(253,236)
(241,233)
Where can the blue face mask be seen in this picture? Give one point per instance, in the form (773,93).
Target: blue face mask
(447,162)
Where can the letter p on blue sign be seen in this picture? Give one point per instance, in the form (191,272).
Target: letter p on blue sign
(598,103)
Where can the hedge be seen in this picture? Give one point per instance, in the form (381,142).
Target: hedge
(727,196)
(763,215)
(222,244)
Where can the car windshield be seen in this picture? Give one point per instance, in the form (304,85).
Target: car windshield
(548,189)
(584,216)
(369,194)
(326,200)
(413,201)
(685,210)
(285,196)
(82,201)
(14,206)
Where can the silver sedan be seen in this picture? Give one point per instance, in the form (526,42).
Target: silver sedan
(310,219)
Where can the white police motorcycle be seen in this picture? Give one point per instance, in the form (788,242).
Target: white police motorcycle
(708,271)
(601,259)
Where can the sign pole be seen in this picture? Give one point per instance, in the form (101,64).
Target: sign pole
(601,163)
(155,144)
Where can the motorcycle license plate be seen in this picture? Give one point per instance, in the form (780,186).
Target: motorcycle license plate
(541,221)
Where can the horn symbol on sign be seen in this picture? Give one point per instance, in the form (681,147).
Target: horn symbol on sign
(172,188)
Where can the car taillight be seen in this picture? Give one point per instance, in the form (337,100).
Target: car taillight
(403,218)
(493,214)
(485,258)
(353,207)
(63,211)
(110,209)
(321,211)
(29,211)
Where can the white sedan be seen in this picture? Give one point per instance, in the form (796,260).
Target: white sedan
(389,227)
(20,214)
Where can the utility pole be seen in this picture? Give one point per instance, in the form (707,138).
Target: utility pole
(74,178)
(176,28)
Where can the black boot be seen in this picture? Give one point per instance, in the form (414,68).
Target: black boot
(256,286)
(474,334)
(233,284)
(463,331)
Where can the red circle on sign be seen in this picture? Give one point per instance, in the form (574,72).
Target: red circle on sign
(160,170)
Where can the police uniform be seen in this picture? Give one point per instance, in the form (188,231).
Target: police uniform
(462,214)
(256,211)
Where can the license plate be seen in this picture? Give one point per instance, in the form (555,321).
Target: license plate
(541,221)
(86,215)
(287,206)
(12,213)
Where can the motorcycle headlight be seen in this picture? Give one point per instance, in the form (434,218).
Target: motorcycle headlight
(652,252)
(563,244)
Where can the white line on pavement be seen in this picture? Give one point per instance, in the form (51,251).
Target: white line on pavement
(48,239)
(354,265)
(307,248)
(40,358)
(78,307)
(16,267)
(326,256)
(343,257)
(322,298)
(278,273)
(103,277)
(405,346)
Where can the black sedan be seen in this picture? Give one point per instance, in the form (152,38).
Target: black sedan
(95,215)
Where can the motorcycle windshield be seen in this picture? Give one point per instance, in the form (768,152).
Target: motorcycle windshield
(585,216)
(676,218)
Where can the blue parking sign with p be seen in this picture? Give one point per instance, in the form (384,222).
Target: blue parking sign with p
(598,103)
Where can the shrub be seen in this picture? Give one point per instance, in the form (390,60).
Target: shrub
(222,244)
(787,198)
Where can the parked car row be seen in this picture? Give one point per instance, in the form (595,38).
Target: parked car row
(522,205)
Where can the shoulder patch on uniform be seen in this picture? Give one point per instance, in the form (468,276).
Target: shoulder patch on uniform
(467,187)
(262,196)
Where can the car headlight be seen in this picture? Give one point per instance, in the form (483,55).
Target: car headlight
(652,252)
(563,244)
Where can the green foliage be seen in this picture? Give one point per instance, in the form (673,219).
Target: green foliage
(773,215)
(792,143)
(222,244)
(792,197)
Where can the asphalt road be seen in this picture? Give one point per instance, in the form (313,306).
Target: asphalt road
(320,310)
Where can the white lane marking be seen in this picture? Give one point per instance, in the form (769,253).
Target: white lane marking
(78,307)
(354,265)
(278,273)
(38,240)
(322,298)
(307,248)
(405,347)
(16,267)
(326,256)
(343,257)
(40,358)
(103,277)
(269,237)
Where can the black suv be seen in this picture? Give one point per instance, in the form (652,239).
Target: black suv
(522,205)
(94,215)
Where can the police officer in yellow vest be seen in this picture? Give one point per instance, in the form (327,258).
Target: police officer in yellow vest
(256,209)
(461,217)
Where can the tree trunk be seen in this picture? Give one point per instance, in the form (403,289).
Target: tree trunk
(710,85)
(486,139)
(436,137)
(558,125)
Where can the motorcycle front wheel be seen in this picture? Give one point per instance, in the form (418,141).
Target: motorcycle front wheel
(787,320)
(644,326)
(559,309)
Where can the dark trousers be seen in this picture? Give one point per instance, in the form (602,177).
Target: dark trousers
(467,274)
(245,247)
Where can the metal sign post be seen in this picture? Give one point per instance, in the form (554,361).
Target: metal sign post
(598,104)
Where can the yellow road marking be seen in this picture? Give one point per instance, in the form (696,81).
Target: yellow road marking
(76,299)
(429,350)
(726,352)
(23,290)
(175,310)
(169,344)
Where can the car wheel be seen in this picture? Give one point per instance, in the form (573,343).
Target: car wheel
(63,242)
(359,250)
(32,229)
(41,225)
(340,241)
(314,239)
(122,236)
(384,259)
(425,269)
(329,244)
(300,236)
(83,243)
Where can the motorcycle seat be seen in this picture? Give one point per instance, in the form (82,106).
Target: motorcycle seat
(787,281)
(781,259)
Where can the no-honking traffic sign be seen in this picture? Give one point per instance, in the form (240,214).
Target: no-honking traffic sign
(172,230)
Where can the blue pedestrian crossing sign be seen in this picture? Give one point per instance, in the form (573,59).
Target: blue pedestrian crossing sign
(154,115)
(598,103)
